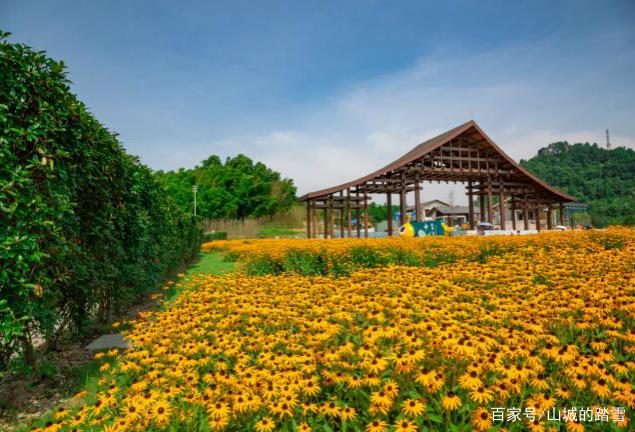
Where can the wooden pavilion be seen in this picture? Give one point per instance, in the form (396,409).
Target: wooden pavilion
(463,154)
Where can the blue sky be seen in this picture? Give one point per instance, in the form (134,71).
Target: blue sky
(326,91)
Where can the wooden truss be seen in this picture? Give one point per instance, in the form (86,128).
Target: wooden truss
(464,154)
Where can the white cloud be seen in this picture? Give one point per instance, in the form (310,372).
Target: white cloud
(522,96)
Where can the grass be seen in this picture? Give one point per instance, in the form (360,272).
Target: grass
(211,263)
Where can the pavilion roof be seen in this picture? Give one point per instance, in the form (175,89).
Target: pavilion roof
(443,158)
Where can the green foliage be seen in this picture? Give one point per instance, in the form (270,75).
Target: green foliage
(207,237)
(305,262)
(379,212)
(11,328)
(85,227)
(234,190)
(604,179)
(365,256)
(401,256)
(583,218)
(263,265)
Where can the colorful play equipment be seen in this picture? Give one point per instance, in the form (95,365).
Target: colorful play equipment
(424,228)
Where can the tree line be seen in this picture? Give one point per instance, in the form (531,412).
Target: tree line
(236,189)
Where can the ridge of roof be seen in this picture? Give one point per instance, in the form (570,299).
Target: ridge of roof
(428,146)
(417,152)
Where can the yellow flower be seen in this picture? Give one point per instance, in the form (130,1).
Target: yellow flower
(218,410)
(405,426)
(161,412)
(413,407)
(541,318)
(348,414)
(304,427)
(481,420)
(470,380)
(380,399)
(481,395)
(600,388)
(451,402)
(265,425)
(376,426)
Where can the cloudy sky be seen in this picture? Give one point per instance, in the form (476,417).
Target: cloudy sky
(327,91)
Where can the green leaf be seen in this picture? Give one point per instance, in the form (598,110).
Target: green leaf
(435,418)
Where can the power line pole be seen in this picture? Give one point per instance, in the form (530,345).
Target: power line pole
(608,141)
(195,189)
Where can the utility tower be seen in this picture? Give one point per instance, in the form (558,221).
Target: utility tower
(608,140)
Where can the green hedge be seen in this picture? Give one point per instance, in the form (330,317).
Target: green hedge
(85,228)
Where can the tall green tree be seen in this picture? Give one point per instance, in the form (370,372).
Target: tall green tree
(236,189)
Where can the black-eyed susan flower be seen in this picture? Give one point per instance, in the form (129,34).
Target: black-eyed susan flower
(481,419)
(347,413)
(376,426)
(451,402)
(265,424)
(413,407)
(405,426)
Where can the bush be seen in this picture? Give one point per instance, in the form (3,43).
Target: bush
(84,227)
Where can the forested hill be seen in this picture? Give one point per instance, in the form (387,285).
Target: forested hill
(604,179)
(235,189)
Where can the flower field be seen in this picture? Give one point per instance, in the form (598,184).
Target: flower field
(414,335)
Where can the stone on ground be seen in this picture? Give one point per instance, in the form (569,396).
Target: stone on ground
(107,341)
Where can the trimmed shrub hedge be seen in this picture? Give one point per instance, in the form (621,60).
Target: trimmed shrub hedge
(85,228)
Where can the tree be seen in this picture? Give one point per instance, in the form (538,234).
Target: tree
(378,212)
(237,189)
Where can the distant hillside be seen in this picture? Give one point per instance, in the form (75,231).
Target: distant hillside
(604,179)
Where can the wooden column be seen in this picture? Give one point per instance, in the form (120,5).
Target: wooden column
(490,211)
(513,204)
(481,197)
(389,211)
(331,225)
(341,215)
(537,210)
(526,214)
(365,215)
(549,218)
(417,201)
(501,204)
(470,204)
(348,212)
(561,215)
(357,204)
(326,224)
(308,219)
(314,218)
(402,205)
